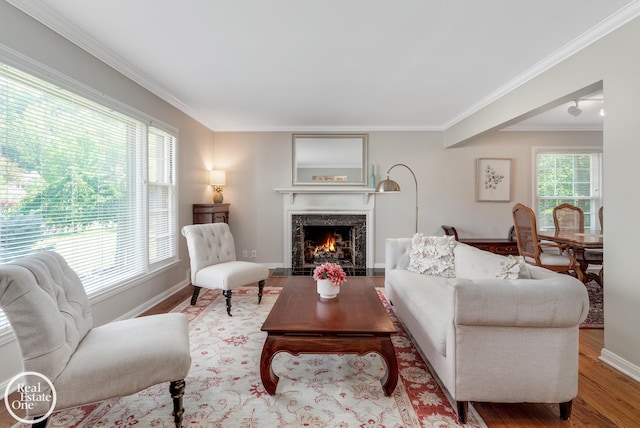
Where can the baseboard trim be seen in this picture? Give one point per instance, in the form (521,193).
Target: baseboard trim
(151,303)
(620,364)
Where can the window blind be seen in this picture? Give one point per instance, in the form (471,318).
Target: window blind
(568,177)
(73,175)
(162,221)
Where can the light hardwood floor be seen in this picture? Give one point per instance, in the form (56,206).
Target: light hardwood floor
(606,397)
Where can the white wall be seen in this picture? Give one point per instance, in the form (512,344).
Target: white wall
(614,61)
(28,38)
(257,163)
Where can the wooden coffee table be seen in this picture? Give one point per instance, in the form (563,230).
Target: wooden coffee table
(355,322)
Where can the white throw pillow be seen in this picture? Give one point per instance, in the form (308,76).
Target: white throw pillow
(473,263)
(432,255)
(513,268)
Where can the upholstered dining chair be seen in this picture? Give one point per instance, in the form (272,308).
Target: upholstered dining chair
(46,305)
(567,216)
(212,255)
(601,218)
(571,217)
(533,251)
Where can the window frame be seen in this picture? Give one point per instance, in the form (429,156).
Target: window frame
(51,76)
(596,182)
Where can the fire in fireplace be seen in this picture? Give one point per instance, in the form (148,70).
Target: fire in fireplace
(320,238)
(328,244)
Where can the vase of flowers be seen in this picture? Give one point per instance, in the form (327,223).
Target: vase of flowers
(329,277)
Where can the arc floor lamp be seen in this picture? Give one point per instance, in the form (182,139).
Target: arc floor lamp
(389,186)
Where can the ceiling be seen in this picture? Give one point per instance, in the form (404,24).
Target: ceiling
(351,65)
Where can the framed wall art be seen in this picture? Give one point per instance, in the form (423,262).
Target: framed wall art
(493,180)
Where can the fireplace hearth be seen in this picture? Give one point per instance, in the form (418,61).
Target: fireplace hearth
(336,238)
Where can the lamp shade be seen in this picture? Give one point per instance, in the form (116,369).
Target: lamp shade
(387,185)
(217,177)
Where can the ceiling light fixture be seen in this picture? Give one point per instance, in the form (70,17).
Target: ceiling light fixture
(574,110)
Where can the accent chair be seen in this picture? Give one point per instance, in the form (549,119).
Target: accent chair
(49,311)
(212,255)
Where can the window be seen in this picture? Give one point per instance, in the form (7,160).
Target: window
(572,177)
(85,180)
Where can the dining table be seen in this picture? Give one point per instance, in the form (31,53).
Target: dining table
(578,241)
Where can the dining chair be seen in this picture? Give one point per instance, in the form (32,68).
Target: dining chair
(212,255)
(450,231)
(596,256)
(567,216)
(533,251)
(571,217)
(48,309)
(601,218)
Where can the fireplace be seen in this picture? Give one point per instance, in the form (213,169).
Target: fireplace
(336,238)
(335,208)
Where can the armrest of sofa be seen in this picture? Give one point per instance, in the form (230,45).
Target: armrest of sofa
(561,301)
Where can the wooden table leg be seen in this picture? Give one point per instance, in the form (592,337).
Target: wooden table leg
(268,376)
(390,379)
(296,345)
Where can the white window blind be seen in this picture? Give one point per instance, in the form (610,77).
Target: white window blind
(568,177)
(73,175)
(162,222)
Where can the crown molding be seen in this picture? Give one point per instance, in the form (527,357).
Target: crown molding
(75,35)
(66,29)
(613,22)
(316,128)
(550,129)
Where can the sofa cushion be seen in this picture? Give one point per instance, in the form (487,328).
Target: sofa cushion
(426,299)
(473,263)
(432,255)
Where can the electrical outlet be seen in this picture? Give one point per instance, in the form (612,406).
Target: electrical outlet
(253,254)
(245,254)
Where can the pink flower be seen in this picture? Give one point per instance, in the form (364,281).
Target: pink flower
(331,271)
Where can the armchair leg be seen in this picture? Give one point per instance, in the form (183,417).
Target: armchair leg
(260,288)
(463,411)
(227,295)
(196,291)
(41,424)
(176,388)
(565,410)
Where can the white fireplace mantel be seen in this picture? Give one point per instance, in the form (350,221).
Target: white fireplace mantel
(366,192)
(328,200)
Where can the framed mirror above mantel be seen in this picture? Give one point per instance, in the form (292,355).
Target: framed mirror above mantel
(329,160)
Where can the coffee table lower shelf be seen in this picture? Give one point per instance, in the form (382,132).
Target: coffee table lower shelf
(328,344)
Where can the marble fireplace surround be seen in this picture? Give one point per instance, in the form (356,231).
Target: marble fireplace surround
(329,200)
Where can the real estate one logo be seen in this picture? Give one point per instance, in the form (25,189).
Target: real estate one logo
(30,394)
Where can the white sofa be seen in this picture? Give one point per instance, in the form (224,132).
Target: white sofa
(490,339)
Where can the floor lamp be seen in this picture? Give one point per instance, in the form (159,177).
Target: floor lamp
(389,186)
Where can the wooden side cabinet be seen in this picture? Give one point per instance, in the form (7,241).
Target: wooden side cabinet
(210,213)
(503,247)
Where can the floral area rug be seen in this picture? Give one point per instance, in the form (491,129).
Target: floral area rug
(223,388)
(595,319)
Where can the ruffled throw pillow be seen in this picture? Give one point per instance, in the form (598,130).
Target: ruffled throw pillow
(513,268)
(432,255)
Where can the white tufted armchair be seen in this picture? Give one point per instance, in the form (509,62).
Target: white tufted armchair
(48,309)
(212,253)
